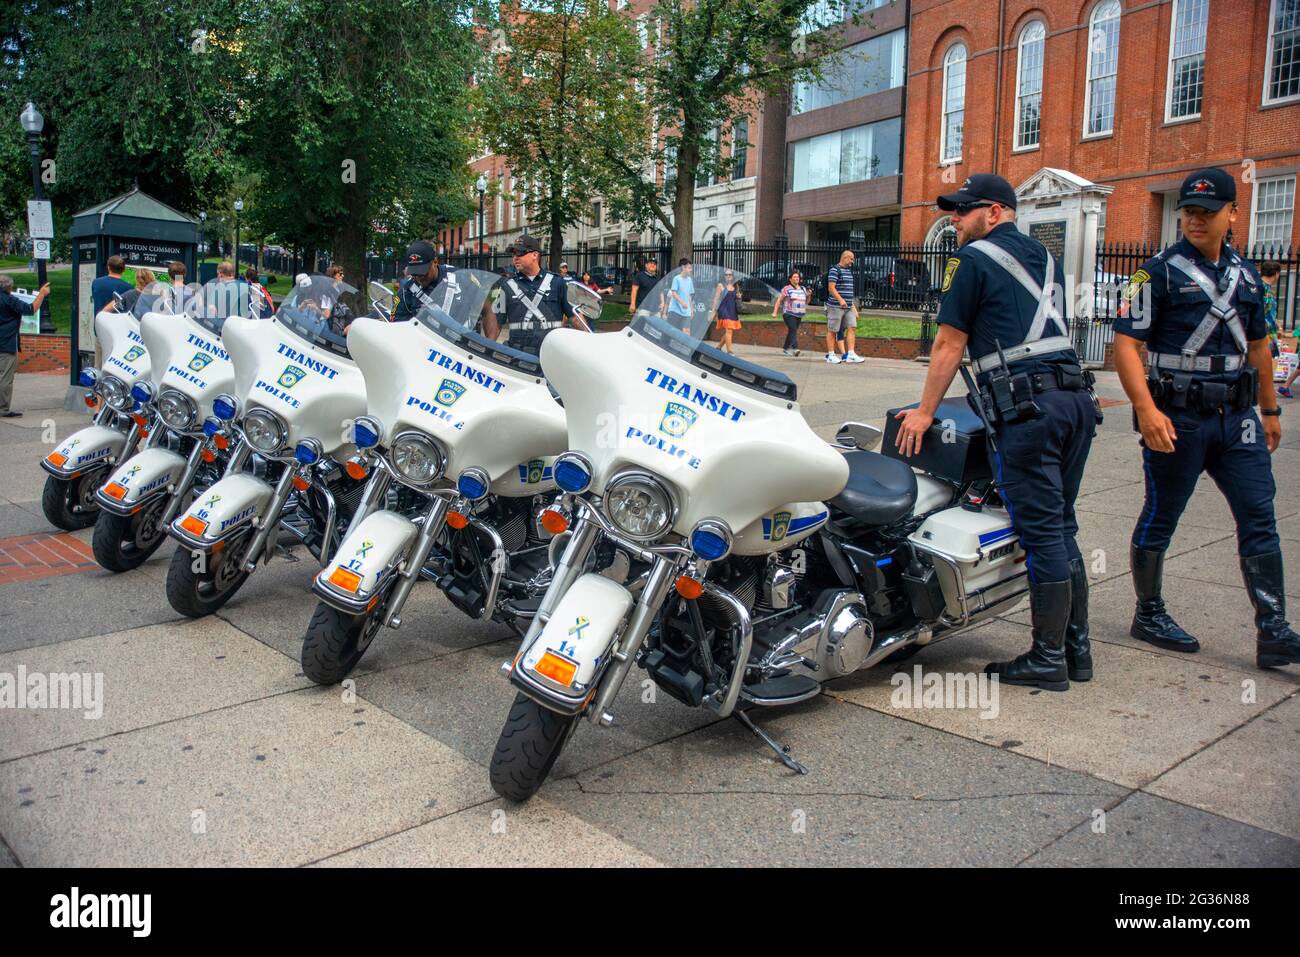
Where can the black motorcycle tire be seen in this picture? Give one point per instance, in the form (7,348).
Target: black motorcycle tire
(114,542)
(335,642)
(196,594)
(57,500)
(530,741)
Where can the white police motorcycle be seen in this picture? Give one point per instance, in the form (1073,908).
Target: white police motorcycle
(190,368)
(471,427)
(79,465)
(296,393)
(723,547)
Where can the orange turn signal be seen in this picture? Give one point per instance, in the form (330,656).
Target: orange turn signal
(300,483)
(56,459)
(91,401)
(113,490)
(138,418)
(195,526)
(208,455)
(556,668)
(348,581)
(220,441)
(554,521)
(356,471)
(457,520)
(689,587)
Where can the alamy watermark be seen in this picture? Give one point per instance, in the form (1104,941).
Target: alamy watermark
(70,690)
(938,689)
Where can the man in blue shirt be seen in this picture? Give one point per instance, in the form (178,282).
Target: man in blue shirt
(12,309)
(1198,308)
(1003,298)
(103,288)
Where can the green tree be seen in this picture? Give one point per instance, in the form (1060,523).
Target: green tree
(713,62)
(354,119)
(556,99)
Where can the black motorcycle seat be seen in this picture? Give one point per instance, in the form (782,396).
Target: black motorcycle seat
(880,490)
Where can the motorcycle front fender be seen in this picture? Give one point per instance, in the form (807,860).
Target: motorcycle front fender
(95,446)
(365,563)
(223,510)
(141,478)
(561,667)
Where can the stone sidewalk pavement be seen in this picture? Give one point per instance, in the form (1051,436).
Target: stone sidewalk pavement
(213,749)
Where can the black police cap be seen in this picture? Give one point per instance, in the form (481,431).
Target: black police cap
(1210,189)
(980,188)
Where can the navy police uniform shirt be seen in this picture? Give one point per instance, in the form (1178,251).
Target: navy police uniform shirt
(554,306)
(1162,307)
(981,299)
(12,310)
(410,302)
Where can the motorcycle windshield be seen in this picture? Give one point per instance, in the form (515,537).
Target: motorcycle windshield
(465,308)
(156,297)
(319,309)
(688,311)
(211,304)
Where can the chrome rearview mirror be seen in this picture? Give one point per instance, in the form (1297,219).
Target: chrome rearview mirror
(858,435)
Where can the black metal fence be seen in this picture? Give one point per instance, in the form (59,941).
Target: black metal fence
(894,276)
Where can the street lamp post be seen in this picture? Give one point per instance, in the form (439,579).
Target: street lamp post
(203,234)
(481,186)
(33,123)
(239,208)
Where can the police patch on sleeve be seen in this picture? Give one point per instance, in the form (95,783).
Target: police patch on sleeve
(1135,283)
(949,271)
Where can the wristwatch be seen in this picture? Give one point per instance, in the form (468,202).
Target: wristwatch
(1276,411)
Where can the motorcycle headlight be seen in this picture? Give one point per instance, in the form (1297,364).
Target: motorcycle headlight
(640,505)
(115,392)
(176,410)
(264,431)
(416,458)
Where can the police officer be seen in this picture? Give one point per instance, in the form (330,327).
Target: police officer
(1198,307)
(533,301)
(1002,301)
(425,273)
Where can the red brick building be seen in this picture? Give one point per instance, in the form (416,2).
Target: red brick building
(1129,94)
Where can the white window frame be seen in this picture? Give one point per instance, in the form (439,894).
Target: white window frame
(1017,146)
(1265,100)
(1088,77)
(948,62)
(1254,209)
(1169,75)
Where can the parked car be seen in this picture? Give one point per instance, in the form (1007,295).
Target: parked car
(891,283)
(608,275)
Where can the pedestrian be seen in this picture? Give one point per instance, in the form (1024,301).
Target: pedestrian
(1199,309)
(792,304)
(681,296)
(334,303)
(12,310)
(564,272)
(261,294)
(726,309)
(1003,302)
(419,288)
(841,312)
(144,278)
(104,288)
(594,286)
(226,296)
(533,303)
(642,283)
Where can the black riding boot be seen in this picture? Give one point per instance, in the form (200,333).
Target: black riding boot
(1044,664)
(1078,649)
(1151,623)
(1275,643)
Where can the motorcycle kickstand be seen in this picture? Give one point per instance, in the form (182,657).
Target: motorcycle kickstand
(782,750)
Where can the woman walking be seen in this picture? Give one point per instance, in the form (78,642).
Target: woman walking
(726,310)
(792,304)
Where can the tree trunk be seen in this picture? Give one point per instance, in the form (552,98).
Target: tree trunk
(349,245)
(688,159)
(556,245)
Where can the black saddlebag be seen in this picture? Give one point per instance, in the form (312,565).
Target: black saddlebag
(955,448)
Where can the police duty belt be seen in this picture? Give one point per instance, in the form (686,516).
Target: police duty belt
(1034,344)
(531,305)
(1221,310)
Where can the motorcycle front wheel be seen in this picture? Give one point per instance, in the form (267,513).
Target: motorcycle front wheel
(335,642)
(124,542)
(196,592)
(530,741)
(70,504)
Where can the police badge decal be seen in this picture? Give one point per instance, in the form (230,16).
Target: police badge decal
(448,393)
(677,419)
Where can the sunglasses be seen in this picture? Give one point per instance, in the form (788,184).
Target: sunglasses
(961,209)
